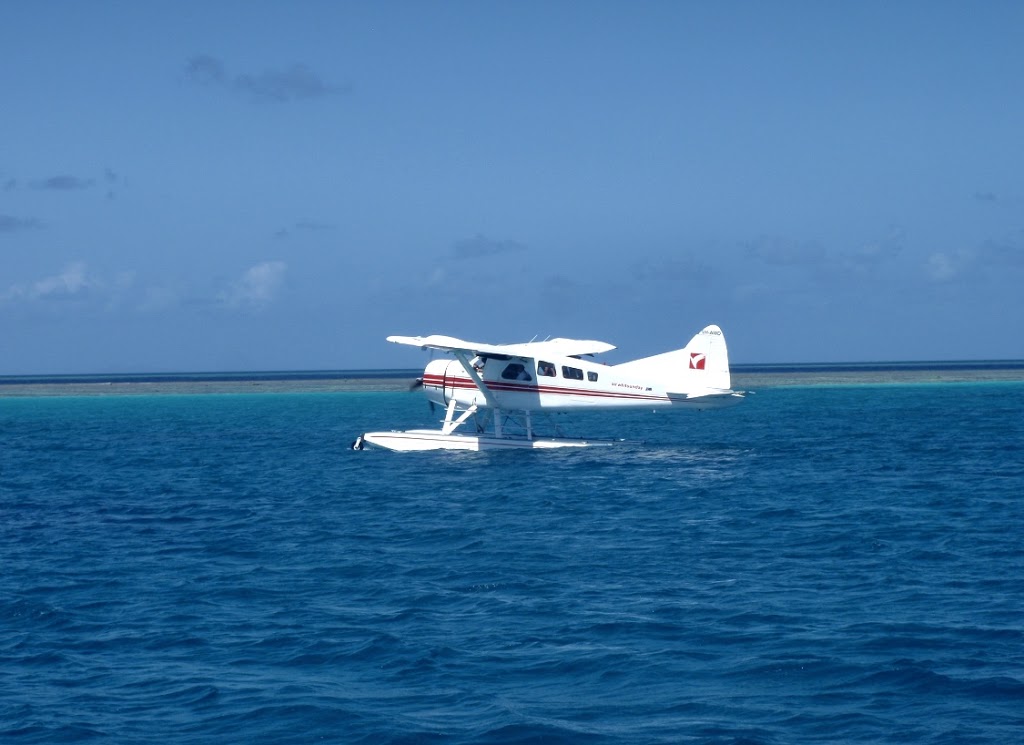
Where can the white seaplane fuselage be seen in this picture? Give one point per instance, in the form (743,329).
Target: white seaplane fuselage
(554,376)
(558,384)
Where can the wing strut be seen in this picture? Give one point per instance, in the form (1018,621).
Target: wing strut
(450,424)
(472,373)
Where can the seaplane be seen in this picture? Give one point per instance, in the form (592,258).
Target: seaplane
(490,392)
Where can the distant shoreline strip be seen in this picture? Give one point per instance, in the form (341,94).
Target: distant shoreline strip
(327,375)
(296,376)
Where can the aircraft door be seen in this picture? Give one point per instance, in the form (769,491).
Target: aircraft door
(448,387)
(437,381)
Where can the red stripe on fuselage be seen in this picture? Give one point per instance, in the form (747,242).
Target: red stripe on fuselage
(460,383)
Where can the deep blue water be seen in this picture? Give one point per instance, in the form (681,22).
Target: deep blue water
(821,564)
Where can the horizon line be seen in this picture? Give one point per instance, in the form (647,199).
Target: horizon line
(401,371)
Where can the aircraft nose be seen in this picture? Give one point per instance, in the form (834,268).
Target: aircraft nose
(436,367)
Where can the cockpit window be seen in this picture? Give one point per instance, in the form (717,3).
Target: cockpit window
(592,377)
(571,373)
(546,369)
(515,371)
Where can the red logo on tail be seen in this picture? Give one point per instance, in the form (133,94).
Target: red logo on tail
(697,360)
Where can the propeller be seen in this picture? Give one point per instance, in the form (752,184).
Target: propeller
(417,383)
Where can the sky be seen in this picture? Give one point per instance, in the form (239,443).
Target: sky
(214,186)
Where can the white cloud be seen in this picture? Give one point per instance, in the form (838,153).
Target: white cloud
(77,287)
(1001,257)
(940,267)
(72,281)
(69,282)
(257,287)
(944,266)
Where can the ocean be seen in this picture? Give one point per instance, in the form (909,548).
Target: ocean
(839,563)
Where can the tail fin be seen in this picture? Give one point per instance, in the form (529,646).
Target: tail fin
(700,365)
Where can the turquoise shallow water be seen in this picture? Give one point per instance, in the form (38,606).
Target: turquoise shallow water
(821,564)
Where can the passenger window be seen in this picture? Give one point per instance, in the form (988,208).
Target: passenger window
(571,373)
(546,369)
(592,377)
(515,371)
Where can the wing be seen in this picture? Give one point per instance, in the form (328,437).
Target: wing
(533,349)
(448,344)
(566,347)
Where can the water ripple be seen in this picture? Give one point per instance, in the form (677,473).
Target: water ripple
(821,564)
